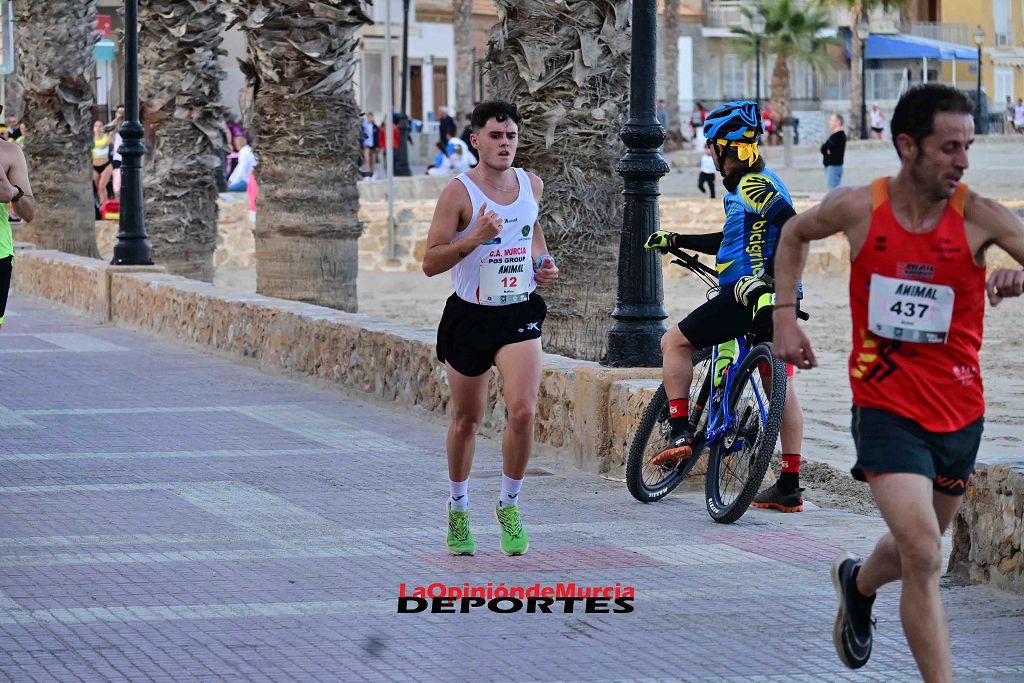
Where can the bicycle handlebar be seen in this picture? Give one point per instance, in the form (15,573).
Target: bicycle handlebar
(706,273)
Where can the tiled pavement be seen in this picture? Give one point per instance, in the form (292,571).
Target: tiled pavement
(169,515)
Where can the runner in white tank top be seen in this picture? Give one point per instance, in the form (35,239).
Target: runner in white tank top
(485,231)
(499,272)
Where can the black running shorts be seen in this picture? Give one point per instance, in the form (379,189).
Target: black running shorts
(470,335)
(888,443)
(6,266)
(716,321)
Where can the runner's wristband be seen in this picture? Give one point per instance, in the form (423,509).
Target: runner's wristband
(545,257)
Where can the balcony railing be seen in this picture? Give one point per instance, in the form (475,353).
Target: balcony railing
(1004,38)
(950,33)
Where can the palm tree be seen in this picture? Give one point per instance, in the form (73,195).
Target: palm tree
(179,84)
(301,59)
(565,64)
(55,63)
(859,11)
(670,22)
(792,31)
(462,24)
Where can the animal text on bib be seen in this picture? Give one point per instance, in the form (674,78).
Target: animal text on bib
(505,274)
(909,310)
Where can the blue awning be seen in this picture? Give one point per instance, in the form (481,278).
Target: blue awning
(903,46)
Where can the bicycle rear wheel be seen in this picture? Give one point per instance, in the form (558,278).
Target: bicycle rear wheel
(739,459)
(649,483)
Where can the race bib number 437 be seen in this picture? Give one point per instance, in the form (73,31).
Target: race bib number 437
(909,310)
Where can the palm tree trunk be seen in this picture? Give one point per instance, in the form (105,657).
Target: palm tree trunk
(306,128)
(179,83)
(565,64)
(674,140)
(462,24)
(780,88)
(857,12)
(55,64)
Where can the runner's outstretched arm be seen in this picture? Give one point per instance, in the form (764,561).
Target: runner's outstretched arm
(1007,232)
(827,218)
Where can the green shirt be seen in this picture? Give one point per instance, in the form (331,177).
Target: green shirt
(6,238)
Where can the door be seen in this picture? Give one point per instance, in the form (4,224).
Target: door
(416,91)
(440,87)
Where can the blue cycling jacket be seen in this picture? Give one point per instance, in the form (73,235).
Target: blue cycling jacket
(753,213)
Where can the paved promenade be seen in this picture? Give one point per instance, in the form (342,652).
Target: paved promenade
(168,515)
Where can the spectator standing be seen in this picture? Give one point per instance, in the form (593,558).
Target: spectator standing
(369,144)
(697,122)
(833,151)
(467,132)
(101,169)
(877,123)
(707,173)
(1018,115)
(239,180)
(1008,116)
(447,125)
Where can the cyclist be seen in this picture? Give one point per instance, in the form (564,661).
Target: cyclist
(756,207)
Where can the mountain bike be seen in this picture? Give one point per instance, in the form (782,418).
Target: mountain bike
(736,402)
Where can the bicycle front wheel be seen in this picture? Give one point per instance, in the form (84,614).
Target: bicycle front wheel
(738,460)
(647,482)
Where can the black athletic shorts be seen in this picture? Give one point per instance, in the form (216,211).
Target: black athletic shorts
(470,335)
(888,443)
(716,321)
(6,266)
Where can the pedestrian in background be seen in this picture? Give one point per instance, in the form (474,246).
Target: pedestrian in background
(833,151)
(707,173)
(447,125)
(239,180)
(877,123)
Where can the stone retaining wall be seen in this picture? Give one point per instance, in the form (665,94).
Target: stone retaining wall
(988,532)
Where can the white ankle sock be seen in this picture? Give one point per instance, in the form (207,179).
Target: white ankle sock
(510,490)
(459,497)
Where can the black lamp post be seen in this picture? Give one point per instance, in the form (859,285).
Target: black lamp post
(757,24)
(863,32)
(635,338)
(402,157)
(132,248)
(979,40)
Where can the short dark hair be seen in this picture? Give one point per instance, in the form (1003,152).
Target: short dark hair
(916,110)
(498,110)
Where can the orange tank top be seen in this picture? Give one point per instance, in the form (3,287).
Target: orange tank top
(918,304)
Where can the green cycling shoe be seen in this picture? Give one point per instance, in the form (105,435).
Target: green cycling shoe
(460,538)
(513,536)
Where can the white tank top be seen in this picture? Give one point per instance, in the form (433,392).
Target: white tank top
(499,272)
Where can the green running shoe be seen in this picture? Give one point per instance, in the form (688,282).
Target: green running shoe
(513,535)
(460,538)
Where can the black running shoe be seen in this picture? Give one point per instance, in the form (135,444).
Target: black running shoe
(679,449)
(774,499)
(852,634)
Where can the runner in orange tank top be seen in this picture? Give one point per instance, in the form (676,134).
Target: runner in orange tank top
(917,290)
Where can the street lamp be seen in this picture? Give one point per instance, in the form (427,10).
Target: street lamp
(979,40)
(402,157)
(757,24)
(863,32)
(635,338)
(132,248)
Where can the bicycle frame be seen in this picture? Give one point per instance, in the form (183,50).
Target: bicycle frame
(720,417)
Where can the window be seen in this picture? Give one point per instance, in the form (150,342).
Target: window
(1004,87)
(734,77)
(1003,20)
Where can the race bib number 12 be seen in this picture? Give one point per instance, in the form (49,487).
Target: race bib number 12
(909,310)
(505,275)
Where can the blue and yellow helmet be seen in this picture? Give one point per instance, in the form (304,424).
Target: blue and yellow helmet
(738,121)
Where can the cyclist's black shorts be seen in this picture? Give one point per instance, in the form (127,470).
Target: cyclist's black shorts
(716,321)
(470,335)
(888,443)
(6,266)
